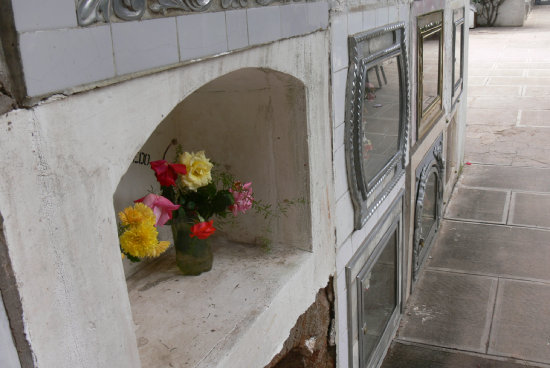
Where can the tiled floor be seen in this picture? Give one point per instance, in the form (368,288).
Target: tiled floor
(483,298)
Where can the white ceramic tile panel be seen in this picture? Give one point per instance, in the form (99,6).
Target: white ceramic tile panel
(339,42)
(340,174)
(339,95)
(237,29)
(201,35)
(355,22)
(382,16)
(144,45)
(264,24)
(342,322)
(339,136)
(393,14)
(344,218)
(294,20)
(369,19)
(359,236)
(404,11)
(343,255)
(58,59)
(34,15)
(317,15)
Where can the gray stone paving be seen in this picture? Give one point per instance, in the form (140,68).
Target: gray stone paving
(483,298)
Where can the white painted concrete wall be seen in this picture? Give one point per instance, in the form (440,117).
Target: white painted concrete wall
(61,162)
(8,353)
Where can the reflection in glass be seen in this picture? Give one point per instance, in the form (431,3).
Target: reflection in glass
(429,213)
(430,69)
(380,116)
(458,54)
(378,297)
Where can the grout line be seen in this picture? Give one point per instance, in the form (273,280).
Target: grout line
(518,120)
(520,226)
(507,207)
(501,358)
(475,221)
(488,275)
(492,318)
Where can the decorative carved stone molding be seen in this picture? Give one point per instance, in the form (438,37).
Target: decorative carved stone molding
(92,11)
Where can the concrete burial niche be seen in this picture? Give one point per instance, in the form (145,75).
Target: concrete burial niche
(252,123)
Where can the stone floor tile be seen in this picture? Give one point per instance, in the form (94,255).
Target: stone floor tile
(478,205)
(536,91)
(540,118)
(494,91)
(493,250)
(450,310)
(403,355)
(492,116)
(519,178)
(531,209)
(516,81)
(504,102)
(521,326)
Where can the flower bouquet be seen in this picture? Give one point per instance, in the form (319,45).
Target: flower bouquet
(190,196)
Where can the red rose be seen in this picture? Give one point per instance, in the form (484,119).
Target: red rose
(202,230)
(167,173)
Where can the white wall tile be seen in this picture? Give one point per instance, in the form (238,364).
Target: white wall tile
(264,24)
(340,173)
(339,95)
(343,255)
(317,15)
(201,35)
(404,11)
(393,14)
(34,15)
(382,16)
(355,22)
(343,218)
(369,19)
(237,29)
(294,20)
(342,323)
(339,38)
(338,136)
(144,45)
(54,60)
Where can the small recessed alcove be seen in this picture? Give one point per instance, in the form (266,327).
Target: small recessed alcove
(253,123)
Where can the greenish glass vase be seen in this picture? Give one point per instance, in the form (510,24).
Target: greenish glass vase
(193,255)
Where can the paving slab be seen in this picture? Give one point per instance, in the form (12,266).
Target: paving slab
(478,205)
(530,209)
(492,116)
(450,310)
(521,326)
(494,250)
(535,118)
(403,355)
(518,178)
(494,91)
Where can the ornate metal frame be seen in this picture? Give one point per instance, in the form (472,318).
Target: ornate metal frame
(427,25)
(357,269)
(92,11)
(432,163)
(458,86)
(360,60)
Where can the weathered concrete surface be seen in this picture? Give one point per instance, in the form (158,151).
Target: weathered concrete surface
(509,95)
(60,163)
(309,344)
(406,355)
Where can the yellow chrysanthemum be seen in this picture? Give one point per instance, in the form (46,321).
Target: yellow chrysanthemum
(139,214)
(141,241)
(198,170)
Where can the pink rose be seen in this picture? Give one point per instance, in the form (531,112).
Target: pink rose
(242,195)
(162,207)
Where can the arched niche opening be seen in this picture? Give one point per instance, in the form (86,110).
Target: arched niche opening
(253,123)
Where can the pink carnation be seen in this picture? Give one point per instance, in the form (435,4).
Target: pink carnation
(242,195)
(162,207)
